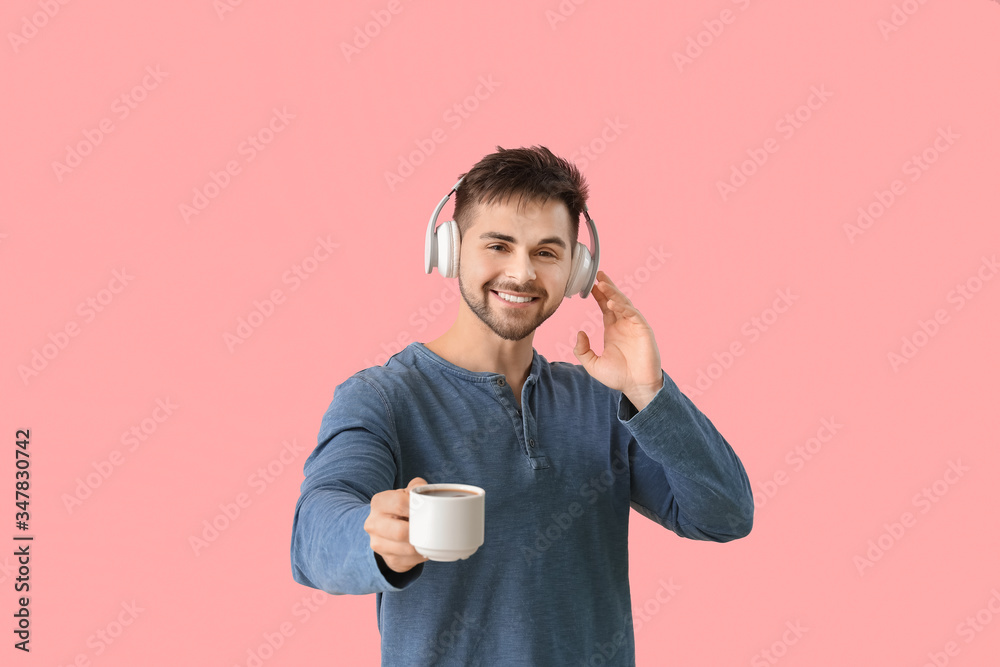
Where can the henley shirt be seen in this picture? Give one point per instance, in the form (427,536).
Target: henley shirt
(549,586)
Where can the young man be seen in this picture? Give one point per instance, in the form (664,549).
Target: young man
(562,450)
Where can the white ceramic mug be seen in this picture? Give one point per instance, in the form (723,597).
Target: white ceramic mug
(447,526)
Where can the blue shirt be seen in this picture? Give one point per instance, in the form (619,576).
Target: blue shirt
(549,585)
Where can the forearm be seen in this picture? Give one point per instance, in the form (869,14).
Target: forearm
(331,550)
(684,471)
(329,545)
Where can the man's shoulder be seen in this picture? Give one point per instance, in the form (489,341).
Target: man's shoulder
(377,392)
(399,373)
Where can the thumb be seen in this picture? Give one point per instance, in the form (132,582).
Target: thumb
(583,351)
(416,481)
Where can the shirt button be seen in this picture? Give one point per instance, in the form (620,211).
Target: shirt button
(531,443)
(500,382)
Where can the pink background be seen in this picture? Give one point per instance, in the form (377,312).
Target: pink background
(601,85)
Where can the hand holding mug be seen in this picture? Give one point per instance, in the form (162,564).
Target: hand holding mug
(389,527)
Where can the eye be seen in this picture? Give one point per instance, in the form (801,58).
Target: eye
(495,245)
(550,254)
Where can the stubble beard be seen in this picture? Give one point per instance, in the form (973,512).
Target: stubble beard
(513,325)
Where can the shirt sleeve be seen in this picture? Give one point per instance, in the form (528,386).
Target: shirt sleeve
(684,475)
(355,459)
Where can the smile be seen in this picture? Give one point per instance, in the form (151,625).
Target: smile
(510,298)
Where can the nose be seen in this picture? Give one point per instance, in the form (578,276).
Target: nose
(520,267)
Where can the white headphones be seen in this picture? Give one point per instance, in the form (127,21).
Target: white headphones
(443,244)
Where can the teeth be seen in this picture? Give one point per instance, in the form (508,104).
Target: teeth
(514,299)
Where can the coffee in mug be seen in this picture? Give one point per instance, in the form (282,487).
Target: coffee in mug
(447,493)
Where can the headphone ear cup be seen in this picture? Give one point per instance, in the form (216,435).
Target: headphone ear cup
(580,281)
(448,249)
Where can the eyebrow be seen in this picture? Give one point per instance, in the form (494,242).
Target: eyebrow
(554,240)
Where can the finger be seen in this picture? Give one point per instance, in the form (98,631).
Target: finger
(612,296)
(403,504)
(611,290)
(583,351)
(402,508)
(416,481)
(394,503)
(618,303)
(628,309)
(599,296)
(602,301)
(403,563)
(389,528)
(604,277)
(392,547)
(621,308)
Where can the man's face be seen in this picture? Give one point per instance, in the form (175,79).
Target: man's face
(516,254)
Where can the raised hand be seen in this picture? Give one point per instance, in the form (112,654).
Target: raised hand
(631,361)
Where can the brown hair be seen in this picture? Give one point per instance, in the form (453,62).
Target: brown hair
(532,175)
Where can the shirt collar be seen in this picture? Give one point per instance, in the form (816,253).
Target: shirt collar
(475,376)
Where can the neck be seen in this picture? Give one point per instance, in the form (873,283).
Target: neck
(472,345)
